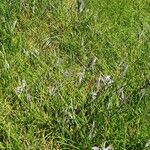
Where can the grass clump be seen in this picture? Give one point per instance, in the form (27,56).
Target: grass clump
(74,74)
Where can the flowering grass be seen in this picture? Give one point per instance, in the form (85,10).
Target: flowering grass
(74,74)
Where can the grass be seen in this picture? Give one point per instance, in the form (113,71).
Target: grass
(74,78)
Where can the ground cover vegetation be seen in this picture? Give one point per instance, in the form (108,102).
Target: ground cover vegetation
(74,74)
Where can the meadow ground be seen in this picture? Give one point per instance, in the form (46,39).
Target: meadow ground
(74,75)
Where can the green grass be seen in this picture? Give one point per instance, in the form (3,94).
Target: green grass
(48,46)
